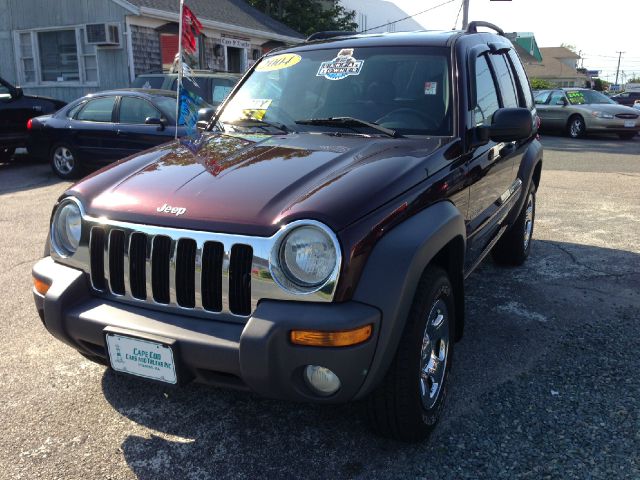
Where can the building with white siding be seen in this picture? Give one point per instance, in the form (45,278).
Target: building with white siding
(66,49)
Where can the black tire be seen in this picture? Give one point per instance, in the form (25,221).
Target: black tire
(6,153)
(396,407)
(576,128)
(627,135)
(514,246)
(64,161)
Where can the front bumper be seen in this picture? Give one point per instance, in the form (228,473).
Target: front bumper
(254,355)
(615,125)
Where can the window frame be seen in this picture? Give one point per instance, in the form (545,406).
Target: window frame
(79,32)
(495,58)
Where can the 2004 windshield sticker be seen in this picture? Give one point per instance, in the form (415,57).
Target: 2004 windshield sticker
(342,66)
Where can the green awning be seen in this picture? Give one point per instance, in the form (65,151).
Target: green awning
(525,43)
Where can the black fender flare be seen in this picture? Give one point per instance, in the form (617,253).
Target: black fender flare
(392,273)
(530,161)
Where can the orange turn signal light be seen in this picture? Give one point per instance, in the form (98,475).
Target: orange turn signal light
(41,286)
(342,338)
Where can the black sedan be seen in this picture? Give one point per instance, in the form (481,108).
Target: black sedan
(16,109)
(103,127)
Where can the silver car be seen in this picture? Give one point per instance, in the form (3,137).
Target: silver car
(579,111)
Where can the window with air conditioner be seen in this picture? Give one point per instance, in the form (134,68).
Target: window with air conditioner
(61,56)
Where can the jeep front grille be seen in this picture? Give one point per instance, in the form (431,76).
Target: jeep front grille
(171,270)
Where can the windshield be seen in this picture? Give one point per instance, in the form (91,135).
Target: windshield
(582,97)
(405,89)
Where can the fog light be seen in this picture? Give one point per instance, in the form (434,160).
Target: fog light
(322,380)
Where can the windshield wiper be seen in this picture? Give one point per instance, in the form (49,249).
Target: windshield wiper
(254,122)
(349,122)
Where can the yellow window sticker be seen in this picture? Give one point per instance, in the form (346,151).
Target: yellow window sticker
(256,108)
(278,62)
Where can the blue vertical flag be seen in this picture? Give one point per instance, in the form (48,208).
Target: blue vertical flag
(188,105)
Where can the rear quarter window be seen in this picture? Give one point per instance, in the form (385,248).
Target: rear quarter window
(525,86)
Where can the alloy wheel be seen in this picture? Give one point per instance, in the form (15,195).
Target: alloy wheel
(433,355)
(63,160)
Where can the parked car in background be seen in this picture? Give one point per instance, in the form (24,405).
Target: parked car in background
(16,109)
(626,98)
(103,127)
(579,111)
(637,104)
(212,87)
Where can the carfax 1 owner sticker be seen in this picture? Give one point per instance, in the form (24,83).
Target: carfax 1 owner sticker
(342,66)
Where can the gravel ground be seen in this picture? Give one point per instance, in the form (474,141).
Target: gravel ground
(545,382)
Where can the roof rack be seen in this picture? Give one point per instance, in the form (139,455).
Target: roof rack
(473,27)
(328,34)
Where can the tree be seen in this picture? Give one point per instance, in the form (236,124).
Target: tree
(308,16)
(634,80)
(569,46)
(600,85)
(540,84)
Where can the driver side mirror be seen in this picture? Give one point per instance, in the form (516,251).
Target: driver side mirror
(160,122)
(508,125)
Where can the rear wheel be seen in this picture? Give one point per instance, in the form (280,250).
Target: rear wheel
(576,127)
(515,244)
(627,135)
(6,153)
(408,403)
(64,162)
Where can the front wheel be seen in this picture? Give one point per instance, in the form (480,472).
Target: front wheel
(515,244)
(576,127)
(408,403)
(64,162)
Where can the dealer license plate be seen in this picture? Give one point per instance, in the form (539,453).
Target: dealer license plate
(629,123)
(143,358)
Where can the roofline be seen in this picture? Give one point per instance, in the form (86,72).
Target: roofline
(165,15)
(127,6)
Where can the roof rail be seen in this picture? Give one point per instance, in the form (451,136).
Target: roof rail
(328,34)
(473,27)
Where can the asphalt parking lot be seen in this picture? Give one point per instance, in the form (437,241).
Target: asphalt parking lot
(545,384)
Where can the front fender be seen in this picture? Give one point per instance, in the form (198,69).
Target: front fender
(393,270)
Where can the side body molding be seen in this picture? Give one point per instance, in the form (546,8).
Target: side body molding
(394,269)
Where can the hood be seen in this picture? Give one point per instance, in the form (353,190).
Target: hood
(58,103)
(252,184)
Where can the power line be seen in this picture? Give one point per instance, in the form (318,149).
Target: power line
(458,15)
(409,16)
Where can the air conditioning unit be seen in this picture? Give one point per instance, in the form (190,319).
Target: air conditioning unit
(103,34)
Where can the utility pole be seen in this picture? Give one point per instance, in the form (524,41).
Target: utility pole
(618,69)
(465,14)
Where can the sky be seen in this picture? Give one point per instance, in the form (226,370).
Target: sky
(596,29)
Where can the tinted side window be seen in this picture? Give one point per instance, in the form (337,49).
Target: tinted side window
(98,110)
(148,82)
(507,85)
(487,97)
(542,97)
(136,110)
(522,76)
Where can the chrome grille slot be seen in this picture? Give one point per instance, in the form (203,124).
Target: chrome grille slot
(160,268)
(97,261)
(185,273)
(137,265)
(116,261)
(240,279)
(627,115)
(189,272)
(212,255)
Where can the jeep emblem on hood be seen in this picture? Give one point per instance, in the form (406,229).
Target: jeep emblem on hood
(166,208)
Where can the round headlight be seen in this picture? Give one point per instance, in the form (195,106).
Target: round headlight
(307,256)
(66,228)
